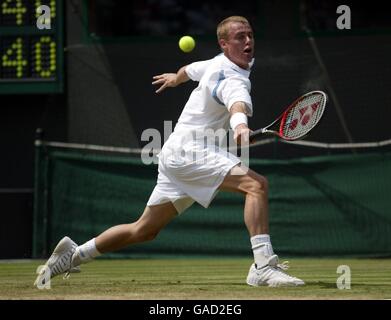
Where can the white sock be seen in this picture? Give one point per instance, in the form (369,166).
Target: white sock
(85,253)
(262,249)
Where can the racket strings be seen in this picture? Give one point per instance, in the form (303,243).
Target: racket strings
(303,116)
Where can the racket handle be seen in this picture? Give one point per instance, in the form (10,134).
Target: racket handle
(256,134)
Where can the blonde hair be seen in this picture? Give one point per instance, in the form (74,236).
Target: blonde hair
(223,27)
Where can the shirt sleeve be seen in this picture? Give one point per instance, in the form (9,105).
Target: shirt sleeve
(196,70)
(236,89)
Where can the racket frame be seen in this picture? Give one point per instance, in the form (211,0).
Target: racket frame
(266,130)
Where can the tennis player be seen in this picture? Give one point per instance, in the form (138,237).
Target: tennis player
(222,99)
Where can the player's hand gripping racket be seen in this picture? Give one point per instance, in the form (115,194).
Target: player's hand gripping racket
(298,119)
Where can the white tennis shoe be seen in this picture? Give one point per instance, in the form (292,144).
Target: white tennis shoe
(59,262)
(272,275)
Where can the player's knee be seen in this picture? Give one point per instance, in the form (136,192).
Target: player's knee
(259,186)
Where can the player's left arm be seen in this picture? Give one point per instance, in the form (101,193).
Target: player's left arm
(170,79)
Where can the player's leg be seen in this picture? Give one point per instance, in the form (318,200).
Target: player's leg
(266,270)
(255,188)
(146,228)
(67,255)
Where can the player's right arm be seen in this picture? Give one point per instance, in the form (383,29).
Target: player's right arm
(238,122)
(170,79)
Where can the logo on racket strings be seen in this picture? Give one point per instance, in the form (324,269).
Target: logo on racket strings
(306,114)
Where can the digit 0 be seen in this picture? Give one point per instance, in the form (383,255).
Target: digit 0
(42,44)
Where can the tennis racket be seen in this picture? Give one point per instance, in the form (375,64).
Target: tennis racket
(298,119)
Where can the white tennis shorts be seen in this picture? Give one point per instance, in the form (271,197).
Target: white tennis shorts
(190,171)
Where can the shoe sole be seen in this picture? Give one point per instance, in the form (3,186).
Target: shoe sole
(287,284)
(265,284)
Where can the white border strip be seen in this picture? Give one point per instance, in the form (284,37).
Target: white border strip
(340,145)
(93,147)
(314,144)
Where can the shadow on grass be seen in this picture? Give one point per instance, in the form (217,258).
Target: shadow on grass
(333,285)
(322,284)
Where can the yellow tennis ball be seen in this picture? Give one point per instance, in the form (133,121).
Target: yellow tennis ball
(186,43)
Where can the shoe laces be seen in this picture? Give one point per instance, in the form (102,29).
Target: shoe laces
(274,262)
(283,266)
(279,267)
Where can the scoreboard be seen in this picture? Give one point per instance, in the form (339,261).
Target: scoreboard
(31,58)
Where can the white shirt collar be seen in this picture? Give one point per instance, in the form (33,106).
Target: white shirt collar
(235,67)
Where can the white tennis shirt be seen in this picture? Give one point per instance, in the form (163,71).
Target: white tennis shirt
(221,84)
(191,169)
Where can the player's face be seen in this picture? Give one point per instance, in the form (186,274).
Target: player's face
(239,47)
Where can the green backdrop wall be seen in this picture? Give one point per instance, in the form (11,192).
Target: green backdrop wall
(319,206)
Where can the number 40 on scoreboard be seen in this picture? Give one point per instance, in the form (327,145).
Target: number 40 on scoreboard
(31,56)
